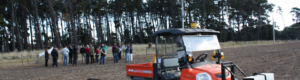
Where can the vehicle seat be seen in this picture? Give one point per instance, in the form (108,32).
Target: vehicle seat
(168,64)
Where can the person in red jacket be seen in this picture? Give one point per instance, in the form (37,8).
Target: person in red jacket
(87,52)
(97,54)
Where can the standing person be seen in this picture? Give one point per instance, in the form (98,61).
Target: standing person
(127,53)
(65,51)
(120,50)
(46,56)
(70,54)
(103,55)
(104,47)
(75,55)
(54,55)
(115,51)
(82,51)
(87,54)
(97,54)
(130,52)
(92,53)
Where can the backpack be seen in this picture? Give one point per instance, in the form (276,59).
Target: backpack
(116,49)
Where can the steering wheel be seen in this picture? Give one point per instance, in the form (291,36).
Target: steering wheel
(201,57)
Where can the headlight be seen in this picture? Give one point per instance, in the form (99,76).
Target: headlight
(203,76)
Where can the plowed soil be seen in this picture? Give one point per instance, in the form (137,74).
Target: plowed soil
(281,59)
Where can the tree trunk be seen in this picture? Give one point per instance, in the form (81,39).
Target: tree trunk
(46,38)
(52,13)
(100,29)
(141,30)
(74,37)
(108,27)
(25,33)
(62,33)
(132,26)
(12,27)
(70,34)
(37,28)
(19,45)
(30,32)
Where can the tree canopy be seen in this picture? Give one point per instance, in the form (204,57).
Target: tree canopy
(35,24)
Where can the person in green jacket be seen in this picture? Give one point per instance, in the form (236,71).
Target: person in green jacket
(105,49)
(92,53)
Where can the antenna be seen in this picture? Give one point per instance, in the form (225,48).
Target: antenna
(182,15)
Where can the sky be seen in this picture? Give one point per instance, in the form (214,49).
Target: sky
(286,6)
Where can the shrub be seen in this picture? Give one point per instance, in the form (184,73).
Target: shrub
(5,57)
(15,57)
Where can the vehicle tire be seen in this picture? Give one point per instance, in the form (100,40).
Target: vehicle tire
(140,78)
(235,78)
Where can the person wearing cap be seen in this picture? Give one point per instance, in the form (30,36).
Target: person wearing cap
(87,54)
(65,51)
(54,55)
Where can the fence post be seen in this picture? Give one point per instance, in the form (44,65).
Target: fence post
(27,58)
(1,55)
(146,50)
(241,44)
(22,59)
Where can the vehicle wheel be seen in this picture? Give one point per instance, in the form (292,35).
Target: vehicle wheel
(235,78)
(140,78)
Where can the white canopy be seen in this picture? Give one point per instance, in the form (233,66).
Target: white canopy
(43,53)
(201,43)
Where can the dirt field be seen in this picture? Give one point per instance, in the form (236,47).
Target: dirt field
(281,59)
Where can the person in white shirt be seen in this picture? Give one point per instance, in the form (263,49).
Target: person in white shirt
(65,51)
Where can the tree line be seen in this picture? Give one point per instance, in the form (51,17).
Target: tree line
(35,24)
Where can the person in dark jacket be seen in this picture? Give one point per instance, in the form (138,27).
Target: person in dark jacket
(46,57)
(120,50)
(115,51)
(54,55)
(70,54)
(75,55)
(82,52)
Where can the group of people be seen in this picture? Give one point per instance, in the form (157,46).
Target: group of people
(117,52)
(90,53)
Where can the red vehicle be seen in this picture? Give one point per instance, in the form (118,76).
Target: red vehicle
(174,60)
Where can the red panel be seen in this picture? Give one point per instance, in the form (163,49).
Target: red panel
(140,70)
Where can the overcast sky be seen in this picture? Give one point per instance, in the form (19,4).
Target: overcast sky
(286,6)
